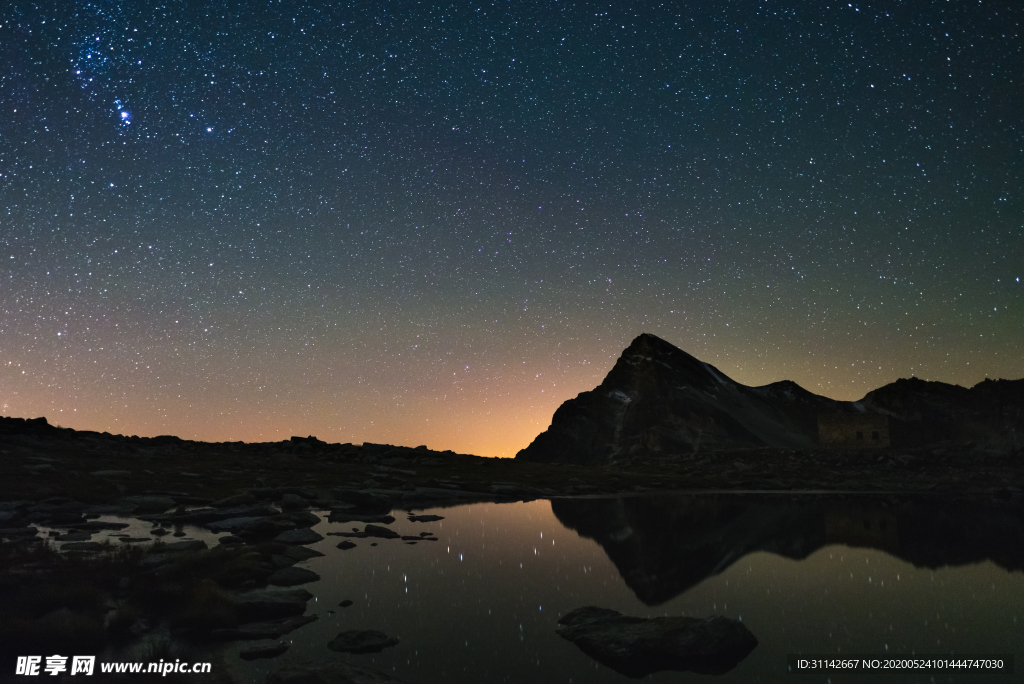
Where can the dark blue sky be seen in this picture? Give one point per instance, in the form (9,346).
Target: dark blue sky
(400,221)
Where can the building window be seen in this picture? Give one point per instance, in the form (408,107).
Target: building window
(875,436)
(860,435)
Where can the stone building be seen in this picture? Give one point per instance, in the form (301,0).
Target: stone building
(853,430)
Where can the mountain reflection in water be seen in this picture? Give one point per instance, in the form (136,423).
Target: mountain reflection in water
(664,545)
(805,574)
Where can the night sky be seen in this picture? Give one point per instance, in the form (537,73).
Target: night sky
(422,223)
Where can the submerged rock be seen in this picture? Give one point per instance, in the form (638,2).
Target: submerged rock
(361,641)
(345,516)
(425,518)
(636,647)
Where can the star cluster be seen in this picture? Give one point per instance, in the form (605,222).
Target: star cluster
(418,222)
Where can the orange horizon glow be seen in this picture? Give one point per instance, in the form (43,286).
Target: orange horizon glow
(494,410)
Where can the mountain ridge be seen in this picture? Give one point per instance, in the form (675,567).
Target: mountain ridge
(658,400)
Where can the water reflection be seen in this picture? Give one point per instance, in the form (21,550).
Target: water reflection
(805,575)
(664,545)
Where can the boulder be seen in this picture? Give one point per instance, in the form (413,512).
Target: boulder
(300,553)
(292,576)
(237,500)
(301,518)
(234,524)
(346,516)
(346,545)
(208,515)
(300,536)
(293,502)
(363,502)
(381,532)
(636,647)
(267,604)
(149,503)
(361,641)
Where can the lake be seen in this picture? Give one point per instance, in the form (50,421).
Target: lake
(808,574)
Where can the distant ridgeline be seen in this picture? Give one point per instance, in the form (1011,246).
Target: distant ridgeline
(660,402)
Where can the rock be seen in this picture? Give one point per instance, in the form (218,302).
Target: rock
(345,516)
(17,532)
(346,545)
(75,536)
(279,561)
(636,647)
(203,516)
(9,517)
(363,502)
(345,604)
(381,532)
(185,545)
(302,518)
(231,539)
(234,524)
(159,532)
(301,536)
(154,560)
(149,504)
(265,650)
(263,630)
(89,546)
(361,641)
(243,499)
(300,553)
(292,576)
(429,497)
(293,502)
(264,604)
(329,673)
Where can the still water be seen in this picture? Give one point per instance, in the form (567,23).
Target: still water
(812,575)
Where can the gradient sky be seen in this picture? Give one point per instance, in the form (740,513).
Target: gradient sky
(412,223)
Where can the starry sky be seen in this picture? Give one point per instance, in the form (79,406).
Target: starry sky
(431,223)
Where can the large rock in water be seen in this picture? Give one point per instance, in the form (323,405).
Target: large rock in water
(659,400)
(636,647)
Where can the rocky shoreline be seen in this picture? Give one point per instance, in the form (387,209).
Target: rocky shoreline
(40,462)
(60,487)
